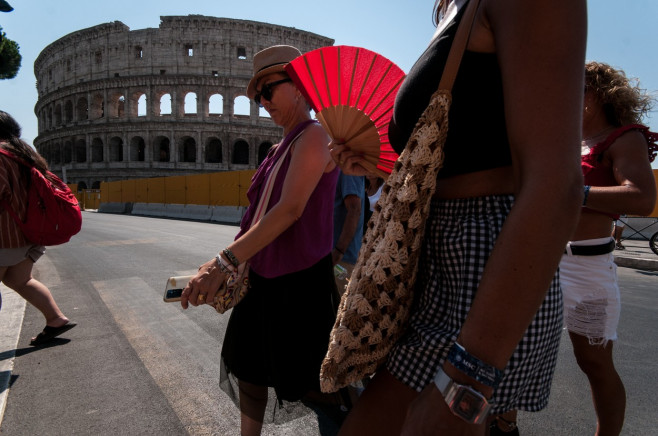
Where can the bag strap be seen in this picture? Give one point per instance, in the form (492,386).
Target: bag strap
(458,46)
(264,200)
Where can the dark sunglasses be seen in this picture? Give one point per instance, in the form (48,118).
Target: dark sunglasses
(266,91)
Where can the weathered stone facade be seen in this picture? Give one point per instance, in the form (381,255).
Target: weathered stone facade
(102,91)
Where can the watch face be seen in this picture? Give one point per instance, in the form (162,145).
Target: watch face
(468,405)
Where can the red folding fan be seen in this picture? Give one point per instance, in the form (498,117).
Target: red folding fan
(352,91)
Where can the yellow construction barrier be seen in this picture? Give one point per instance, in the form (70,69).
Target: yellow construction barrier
(227,188)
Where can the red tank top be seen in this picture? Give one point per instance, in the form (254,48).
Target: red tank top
(596,174)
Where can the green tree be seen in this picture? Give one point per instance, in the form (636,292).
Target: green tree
(5,7)
(10,57)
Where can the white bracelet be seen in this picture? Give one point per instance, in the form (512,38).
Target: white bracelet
(226,267)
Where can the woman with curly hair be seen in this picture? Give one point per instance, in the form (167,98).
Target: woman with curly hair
(616,155)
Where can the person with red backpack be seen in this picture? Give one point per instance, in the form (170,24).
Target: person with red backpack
(17,253)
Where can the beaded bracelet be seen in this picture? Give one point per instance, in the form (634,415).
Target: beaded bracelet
(231,257)
(473,367)
(586,192)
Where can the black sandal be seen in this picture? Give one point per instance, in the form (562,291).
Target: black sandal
(509,428)
(50,333)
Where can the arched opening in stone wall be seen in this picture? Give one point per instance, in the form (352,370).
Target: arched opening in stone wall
(241,152)
(216,104)
(68,152)
(190,103)
(117,106)
(97,109)
(137,149)
(262,113)
(141,106)
(80,151)
(56,153)
(116,149)
(165,104)
(96,184)
(97,150)
(187,150)
(241,105)
(82,185)
(214,150)
(161,149)
(263,149)
(58,115)
(68,112)
(81,111)
(49,118)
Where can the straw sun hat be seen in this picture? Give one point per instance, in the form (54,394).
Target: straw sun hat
(271,60)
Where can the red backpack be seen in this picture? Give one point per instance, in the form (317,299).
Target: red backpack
(53,213)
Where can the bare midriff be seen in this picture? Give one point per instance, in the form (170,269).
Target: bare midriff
(497,181)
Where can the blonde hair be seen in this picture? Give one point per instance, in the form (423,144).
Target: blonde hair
(623,101)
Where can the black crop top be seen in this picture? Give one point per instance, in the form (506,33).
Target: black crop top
(477,135)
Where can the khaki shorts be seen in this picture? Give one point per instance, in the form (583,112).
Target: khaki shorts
(13,256)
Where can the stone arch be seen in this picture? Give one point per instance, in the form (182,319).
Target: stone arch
(97,150)
(96,184)
(137,149)
(68,112)
(80,150)
(161,149)
(82,185)
(58,115)
(117,106)
(240,152)
(216,105)
(263,149)
(214,150)
(142,108)
(241,105)
(56,153)
(97,108)
(187,149)
(81,109)
(165,105)
(190,106)
(116,149)
(68,152)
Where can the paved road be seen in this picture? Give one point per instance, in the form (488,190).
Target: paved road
(138,366)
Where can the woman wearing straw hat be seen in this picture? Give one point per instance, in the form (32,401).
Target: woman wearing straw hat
(277,335)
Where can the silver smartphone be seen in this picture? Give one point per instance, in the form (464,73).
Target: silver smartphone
(174,288)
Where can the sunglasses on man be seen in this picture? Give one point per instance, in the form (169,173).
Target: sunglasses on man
(266,91)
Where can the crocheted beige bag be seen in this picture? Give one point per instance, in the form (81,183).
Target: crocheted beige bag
(374,309)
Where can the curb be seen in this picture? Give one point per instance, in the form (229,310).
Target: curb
(637,263)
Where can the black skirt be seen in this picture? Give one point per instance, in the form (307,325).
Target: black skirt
(279,333)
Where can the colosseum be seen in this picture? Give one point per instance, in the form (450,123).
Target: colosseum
(115,104)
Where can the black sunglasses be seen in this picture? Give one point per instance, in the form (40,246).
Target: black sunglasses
(266,91)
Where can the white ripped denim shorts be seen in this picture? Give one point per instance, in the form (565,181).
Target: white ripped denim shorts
(592,301)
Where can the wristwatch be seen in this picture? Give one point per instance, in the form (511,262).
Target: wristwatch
(463,401)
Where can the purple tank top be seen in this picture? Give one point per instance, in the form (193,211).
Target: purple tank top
(307,240)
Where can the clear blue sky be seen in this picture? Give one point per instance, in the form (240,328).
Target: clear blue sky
(619,33)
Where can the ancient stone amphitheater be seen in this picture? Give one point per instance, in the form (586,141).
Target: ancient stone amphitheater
(116,104)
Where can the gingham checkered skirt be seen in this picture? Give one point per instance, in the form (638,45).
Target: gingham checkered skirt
(459,237)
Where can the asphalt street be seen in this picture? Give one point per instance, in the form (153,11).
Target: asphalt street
(135,365)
